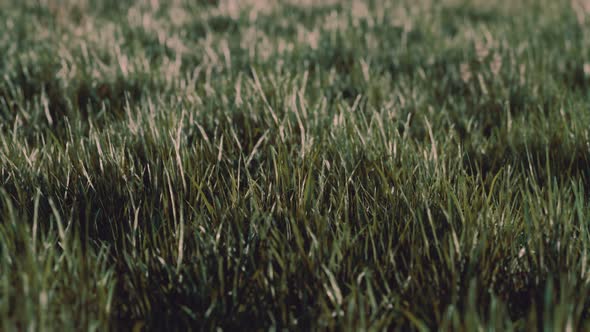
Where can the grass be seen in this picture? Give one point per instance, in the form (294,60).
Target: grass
(282,164)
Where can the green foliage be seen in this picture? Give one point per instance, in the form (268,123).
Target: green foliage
(345,165)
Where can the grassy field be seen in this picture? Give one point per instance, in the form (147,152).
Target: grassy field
(295,164)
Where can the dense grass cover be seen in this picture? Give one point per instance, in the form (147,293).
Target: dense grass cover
(373,164)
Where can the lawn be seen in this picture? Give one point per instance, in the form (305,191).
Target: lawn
(294,164)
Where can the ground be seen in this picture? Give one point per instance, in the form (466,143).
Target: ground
(294,164)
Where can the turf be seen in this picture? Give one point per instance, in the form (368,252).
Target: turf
(301,165)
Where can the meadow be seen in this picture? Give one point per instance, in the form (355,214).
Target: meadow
(294,164)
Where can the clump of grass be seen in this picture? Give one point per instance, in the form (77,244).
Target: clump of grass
(401,165)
